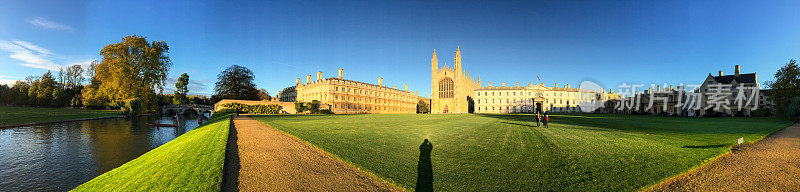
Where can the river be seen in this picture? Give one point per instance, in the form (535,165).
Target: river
(61,156)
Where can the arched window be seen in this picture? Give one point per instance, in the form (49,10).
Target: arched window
(446,88)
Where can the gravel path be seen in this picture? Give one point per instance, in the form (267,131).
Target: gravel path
(772,164)
(270,160)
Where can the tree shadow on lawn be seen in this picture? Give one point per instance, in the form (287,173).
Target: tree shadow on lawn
(634,123)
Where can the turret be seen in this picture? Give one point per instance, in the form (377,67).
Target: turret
(319,75)
(298,81)
(457,59)
(308,79)
(503,84)
(341,74)
(434,62)
(517,84)
(380,81)
(406,87)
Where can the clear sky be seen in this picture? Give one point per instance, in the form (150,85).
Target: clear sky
(608,42)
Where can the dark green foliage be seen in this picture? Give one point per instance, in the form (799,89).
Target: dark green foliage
(325,111)
(299,107)
(236,82)
(254,109)
(181,88)
(313,107)
(131,107)
(793,110)
(422,107)
(785,87)
(760,113)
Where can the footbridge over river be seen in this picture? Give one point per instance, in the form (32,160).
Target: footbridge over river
(181,109)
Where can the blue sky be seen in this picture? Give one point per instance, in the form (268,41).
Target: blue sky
(609,42)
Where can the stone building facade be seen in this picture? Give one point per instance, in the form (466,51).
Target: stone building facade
(531,98)
(354,97)
(733,82)
(452,89)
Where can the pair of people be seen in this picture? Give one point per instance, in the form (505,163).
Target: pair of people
(544,121)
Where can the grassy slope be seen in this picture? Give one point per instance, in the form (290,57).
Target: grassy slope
(20,115)
(191,162)
(579,152)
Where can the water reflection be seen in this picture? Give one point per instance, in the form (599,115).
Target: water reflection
(59,157)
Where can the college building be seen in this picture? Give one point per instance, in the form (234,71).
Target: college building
(352,97)
(454,91)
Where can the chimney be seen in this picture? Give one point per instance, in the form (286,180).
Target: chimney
(341,74)
(671,88)
(517,84)
(567,85)
(308,79)
(319,75)
(406,87)
(556,85)
(380,81)
(720,73)
(737,70)
(490,84)
(530,84)
(503,84)
(298,81)
(395,87)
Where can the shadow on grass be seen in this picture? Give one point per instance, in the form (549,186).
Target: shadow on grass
(230,172)
(424,168)
(519,124)
(646,123)
(702,146)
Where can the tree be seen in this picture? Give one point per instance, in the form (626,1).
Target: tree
(264,95)
(422,107)
(181,88)
(235,82)
(785,87)
(74,76)
(313,107)
(299,107)
(131,69)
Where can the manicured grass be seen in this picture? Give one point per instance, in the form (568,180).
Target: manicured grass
(579,152)
(192,162)
(20,115)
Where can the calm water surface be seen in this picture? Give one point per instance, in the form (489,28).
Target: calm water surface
(61,156)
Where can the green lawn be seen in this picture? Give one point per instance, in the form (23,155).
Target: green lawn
(192,162)
(579,152)
(20,115)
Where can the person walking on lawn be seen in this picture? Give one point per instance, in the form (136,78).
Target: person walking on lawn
(546,120)
(538,119)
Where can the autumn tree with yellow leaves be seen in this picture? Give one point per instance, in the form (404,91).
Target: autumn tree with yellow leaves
(131,70)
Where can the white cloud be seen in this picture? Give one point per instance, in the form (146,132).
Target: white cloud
(8,81)
(34,56)
(196,87)
(47,24)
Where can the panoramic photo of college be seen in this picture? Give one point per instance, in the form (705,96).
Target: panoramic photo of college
(337,96)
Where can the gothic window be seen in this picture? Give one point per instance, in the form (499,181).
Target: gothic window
(446,88)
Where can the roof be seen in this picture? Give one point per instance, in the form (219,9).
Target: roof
(741,78)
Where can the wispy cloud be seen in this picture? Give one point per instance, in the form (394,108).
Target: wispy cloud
(31,55)
(196,87)
(47,24)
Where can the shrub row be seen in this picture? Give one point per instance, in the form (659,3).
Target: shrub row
(254,109)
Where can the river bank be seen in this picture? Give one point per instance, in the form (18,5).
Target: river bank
(26,116)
